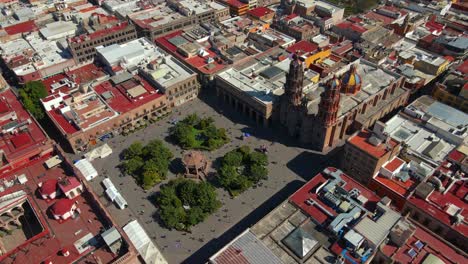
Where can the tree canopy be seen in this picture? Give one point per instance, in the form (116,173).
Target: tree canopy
(241,168)
(147,164)
(30,95)
(194,132)
(184,203)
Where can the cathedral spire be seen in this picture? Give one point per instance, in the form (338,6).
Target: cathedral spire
(294,81)
(329,103)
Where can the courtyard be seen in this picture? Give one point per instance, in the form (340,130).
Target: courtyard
(289,167)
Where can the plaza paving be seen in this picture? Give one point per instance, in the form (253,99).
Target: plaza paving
(289,167)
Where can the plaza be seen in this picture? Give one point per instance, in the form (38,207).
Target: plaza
(289,168)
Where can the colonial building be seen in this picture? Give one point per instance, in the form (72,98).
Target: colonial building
(355,98)
(366,152)
(83,47)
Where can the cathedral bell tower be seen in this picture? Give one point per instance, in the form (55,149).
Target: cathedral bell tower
(294,82)
(329,103)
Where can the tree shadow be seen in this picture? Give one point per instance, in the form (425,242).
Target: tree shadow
(204,253)
(176,166)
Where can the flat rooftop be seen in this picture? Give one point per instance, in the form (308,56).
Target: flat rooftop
(128,94)
(204,63)
(168,71)
(99,33)
(443,205)
(63,82)
(78,111)
(29,139)
(361,141)
(87,226)
(431,245)
(321,212)
(129,54)
(430,128)
(420,141)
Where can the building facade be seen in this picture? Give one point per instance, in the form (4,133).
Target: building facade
(339,106)
(86,117)
(83,48)
(366,152)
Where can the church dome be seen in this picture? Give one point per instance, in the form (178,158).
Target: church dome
(351,81)
(334,83)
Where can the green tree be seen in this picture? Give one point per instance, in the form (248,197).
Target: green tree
(186,191)
(132,166)
(233,158)
(134,150)
(191,120)
(199,197)
(258,158)
(173,217)
(194,216)
(227,175)
(184,135)
(168,197)
(156,149)
(30,95)
(245,150)
(257,173)
(150,178)
(206,197)
(205,123)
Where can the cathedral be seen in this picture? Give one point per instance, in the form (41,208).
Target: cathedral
(355,97)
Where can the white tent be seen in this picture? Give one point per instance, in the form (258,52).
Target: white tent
(145,247)
(108,183)
(120,201)
(87,169)
(99,152)
(112,193)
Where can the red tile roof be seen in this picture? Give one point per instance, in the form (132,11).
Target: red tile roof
(394,164)
(463,68)
(456,156)
(67,127)
(432,245)
(100,33)
(20,148)
(351,26)
(196,61)
(291,16)
(234,3)
(21,140)
(435,205)
(302,47)
(24,27)
(120,101)
(401,188)
(360,141)
(260,11)
(307,191)
(4,107)
(65,234)
(379,17)
(48,187)
(62,206)
(68,183)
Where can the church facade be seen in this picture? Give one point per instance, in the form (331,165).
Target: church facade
(354,98)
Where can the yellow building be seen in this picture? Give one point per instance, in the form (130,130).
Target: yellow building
(317,57)
(442,94)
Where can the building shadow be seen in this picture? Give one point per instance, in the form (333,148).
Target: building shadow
(204,253)
(274,132)
(307,164)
